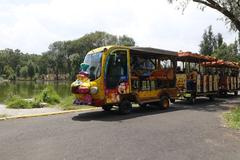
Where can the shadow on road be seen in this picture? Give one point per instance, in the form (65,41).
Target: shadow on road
(202,104)
(115,116)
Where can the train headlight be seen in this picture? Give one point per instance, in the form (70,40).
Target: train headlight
(93,90)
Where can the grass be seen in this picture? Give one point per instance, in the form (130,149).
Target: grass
(233,118)
(49,96)
(67,104)
(3,115)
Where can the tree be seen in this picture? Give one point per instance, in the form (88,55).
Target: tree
(76,60)
(8,71)
(62,57)
(229,8)
(219,40)
(18,70)
(31,69)
(227,52)
(43,64)
(208,44)
(126,41)
(24,71)
(214,45)
(238,42)
(60,54)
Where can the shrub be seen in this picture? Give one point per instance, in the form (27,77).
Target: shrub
(35,104)
(18,103)
(1,79)
(67,103)
(48,95)
(3,115)
(12,77)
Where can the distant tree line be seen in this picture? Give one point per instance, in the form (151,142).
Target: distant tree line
(214,45)
(62,57)
(65,57)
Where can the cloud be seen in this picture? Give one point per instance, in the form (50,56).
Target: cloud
(32,25)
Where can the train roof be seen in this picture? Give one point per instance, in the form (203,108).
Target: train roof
(152,51)
(223,64)
(194,57)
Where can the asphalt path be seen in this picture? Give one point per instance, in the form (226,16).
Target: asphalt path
(184,132)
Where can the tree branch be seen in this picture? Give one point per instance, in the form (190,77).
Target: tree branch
(205,3)
(238,3)
(224,11)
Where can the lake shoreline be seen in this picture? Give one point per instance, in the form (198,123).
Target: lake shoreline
(30,89)
(38,80)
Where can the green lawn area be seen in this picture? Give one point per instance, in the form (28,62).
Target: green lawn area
(3,115)
(233,118)
(67,104)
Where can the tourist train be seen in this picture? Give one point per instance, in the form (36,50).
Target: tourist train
(120,76)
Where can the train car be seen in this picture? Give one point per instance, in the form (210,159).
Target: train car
(228,72)
(193,79)
(119,76)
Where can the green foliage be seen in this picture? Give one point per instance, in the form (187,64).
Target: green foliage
(227,52)
(219,40)
(62,57)
(7,70)
(35,104)
(18,68)
(18,103)
(126,41)
(3,115)
(233,118)
(24,71)
(67,104)
(228,8)
(208,44)
(49,95)
(31,69)
(214,45)
(12,77)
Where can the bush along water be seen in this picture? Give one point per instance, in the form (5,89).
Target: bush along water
(17,102)
(48,96)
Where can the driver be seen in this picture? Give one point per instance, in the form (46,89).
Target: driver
(92,74)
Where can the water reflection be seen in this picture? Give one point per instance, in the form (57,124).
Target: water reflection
(28,89)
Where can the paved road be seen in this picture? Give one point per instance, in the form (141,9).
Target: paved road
(182,133)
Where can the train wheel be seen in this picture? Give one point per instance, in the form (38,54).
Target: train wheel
(235,93)
(107,107)
(125,107)
(164,103)
(192,100)
(172,100)
(211,98)
(144,105)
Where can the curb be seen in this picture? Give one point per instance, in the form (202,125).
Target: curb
(46,114)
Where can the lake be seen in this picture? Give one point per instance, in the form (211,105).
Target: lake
(27,89)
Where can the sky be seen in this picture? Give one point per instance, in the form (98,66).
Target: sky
(31,25)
